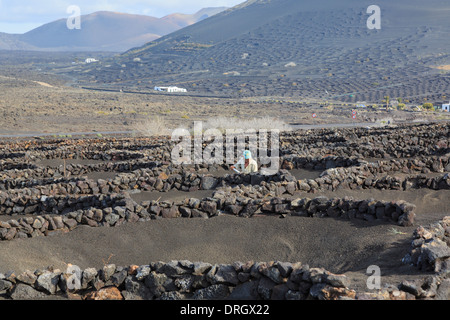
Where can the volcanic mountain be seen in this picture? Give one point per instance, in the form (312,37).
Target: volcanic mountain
(347,50)
(102,31)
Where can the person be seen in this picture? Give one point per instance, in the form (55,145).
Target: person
(246,164)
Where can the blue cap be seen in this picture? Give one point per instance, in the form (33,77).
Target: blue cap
(247,154)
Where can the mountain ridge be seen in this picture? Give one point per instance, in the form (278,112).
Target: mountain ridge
(296,48)
(102,31)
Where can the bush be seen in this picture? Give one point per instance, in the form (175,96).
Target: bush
(428,106)
(153,126)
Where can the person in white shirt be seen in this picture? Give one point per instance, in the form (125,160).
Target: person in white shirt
(246,164)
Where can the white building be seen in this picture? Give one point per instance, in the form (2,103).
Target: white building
(446,107)
(170,89)
(90,60)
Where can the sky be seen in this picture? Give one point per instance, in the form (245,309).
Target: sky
(20,16)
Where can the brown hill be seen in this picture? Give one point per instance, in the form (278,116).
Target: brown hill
(104,31)
(11,42)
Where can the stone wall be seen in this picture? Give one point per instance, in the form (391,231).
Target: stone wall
(186,280)
(49,204)
(27,200)
(400,141)
(246,203)
(430,248)
(317,163)
(357,181)
(59,214)
(158,178)
(396,141)
(430,252)
(21,173)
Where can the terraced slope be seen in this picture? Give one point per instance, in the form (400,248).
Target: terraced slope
(316,49)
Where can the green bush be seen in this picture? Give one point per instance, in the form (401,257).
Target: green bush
(428,106)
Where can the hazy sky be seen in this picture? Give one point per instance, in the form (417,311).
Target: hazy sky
(20,16)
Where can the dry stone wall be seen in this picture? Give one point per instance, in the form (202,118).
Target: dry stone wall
(186,280)
(41,202)
(61,214)
(401,141)
(430,248)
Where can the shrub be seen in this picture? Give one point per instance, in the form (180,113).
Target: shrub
(428,106)
(153,126)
